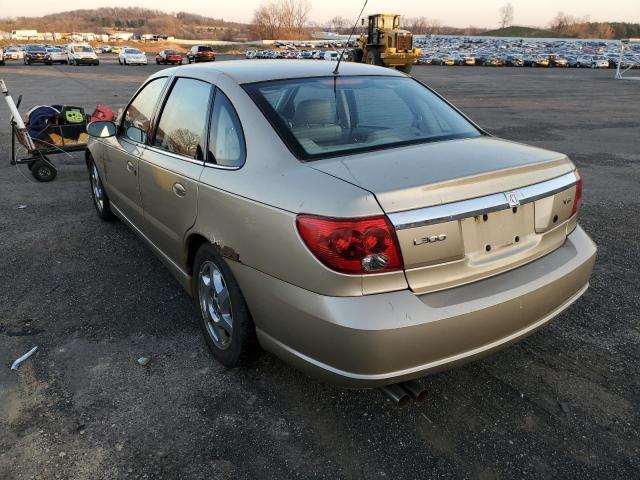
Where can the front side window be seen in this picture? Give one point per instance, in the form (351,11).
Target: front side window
(326,116)
(183,118)
(137,118)
(226,139)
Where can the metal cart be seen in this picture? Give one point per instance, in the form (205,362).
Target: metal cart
(36,153)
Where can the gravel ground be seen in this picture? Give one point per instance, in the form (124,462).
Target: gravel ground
(565,402)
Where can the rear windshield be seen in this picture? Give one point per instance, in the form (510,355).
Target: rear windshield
(205,49)
(329,116)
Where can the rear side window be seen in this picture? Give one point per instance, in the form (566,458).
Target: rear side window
(183,118)
(137,118)
(226,139)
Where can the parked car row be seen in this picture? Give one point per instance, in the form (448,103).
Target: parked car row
(490,51)
(331,55)
(72,54)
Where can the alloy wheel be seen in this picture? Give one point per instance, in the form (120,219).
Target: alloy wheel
(96,187)
(215,304)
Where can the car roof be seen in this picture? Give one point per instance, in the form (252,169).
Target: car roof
(250,71)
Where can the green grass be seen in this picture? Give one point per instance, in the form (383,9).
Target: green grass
(516,31)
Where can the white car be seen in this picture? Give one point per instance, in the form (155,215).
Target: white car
(331,55)
(1,56)
(250,54)
(56,55)
(81,54)
(599,62)
(13,53)
(132,56)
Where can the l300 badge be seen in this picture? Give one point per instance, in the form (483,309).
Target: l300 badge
(431,239)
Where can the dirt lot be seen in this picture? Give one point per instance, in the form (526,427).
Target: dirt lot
(563,403)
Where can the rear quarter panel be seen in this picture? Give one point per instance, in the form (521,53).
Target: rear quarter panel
(250,212)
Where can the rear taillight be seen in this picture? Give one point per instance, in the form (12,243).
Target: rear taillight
(578,196)
(352,245)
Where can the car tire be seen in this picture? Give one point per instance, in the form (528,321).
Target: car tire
(43,171)
(119,61)
(98,194)
(224,316)
(373,57)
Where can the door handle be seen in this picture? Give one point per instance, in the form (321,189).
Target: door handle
(179,190)
(130,167)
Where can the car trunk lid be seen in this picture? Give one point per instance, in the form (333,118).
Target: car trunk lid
(466,209)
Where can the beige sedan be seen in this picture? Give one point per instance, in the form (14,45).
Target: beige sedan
(356,225)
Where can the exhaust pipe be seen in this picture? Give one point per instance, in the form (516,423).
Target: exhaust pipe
(396,394)
(417,391)
(401,393)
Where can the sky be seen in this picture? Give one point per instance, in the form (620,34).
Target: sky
(458,13)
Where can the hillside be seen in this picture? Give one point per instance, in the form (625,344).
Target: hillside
(525,32)
(132,19)
(572,29)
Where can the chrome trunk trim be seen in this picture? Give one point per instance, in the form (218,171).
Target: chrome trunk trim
(480,205)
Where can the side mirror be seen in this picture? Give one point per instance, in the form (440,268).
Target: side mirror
(102,129)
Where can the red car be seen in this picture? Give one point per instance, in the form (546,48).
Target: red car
(168,56)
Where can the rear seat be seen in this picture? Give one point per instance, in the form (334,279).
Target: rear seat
(315,120)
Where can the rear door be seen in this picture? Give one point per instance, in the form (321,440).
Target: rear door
(123,151)
(171,165)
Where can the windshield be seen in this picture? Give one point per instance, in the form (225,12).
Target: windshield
(328,116)
(54,50)
(36,48)
(82,48)
(132,50)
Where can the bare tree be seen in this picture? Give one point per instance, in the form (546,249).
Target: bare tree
(416,25)
(434,27)
(266,21)
(338,24)
(286,19)
(506,15)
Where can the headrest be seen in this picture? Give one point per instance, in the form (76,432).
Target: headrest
(315,112)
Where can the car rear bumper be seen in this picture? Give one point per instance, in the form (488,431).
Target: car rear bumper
(375,340)
(86,61)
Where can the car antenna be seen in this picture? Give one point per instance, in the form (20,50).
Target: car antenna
(335,72)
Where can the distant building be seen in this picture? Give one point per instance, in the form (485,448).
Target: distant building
(25,35)
(121,36)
